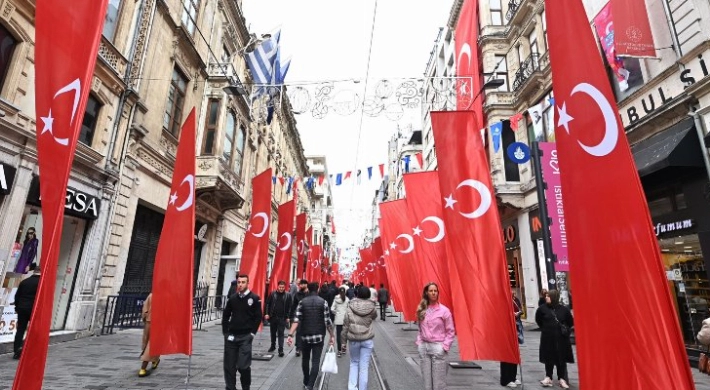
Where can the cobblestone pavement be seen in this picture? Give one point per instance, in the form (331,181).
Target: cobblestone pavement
(111,363)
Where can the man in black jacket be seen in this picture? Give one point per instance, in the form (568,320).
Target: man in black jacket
(24,302)
(312,319)
(240,322)
(302,293)
(383,296)
(278,310)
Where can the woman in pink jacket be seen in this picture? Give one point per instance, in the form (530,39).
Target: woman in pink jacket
(436,334)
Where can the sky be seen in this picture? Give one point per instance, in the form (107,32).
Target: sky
(329,40)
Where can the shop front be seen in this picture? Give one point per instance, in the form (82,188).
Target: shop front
(511,240)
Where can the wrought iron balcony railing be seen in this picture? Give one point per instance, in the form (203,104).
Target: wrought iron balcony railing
(527,69)
(513,6)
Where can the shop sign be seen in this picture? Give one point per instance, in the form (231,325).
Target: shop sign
(510,235)
(77,203)
(554,200)
(7,176)
(535,225)
(695,70)
(670,227)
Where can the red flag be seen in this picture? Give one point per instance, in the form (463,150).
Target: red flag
(367,259)
(255,251)
(610,242)
(420,159)
(381,265)
(309,250)
(515,121)
(171,327)
(382,170)
(633,36)
(64,64)
(485,328)
(426,215)
(399,245)
(284,248)
(314,264)
(332,225)
(468,61)
(282,180)
(300,245)
(347,175)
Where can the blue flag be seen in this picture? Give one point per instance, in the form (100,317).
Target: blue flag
(261,62)
(406,163)
(338,179)
(369,173)
(496,131)
(288,188)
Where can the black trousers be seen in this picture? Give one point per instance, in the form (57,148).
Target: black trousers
(338,333)
(311,354)
(298,338)
(277,326)
(561,370)
(237,356)
(508,373)
(383,310)
(23,318)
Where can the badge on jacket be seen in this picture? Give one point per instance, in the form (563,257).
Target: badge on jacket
(250,301)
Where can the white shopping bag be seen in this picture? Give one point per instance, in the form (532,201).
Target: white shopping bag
(330,363)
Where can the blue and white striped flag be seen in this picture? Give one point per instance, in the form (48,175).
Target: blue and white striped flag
(261,62)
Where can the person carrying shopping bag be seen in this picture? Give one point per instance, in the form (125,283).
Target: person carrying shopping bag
(358,331)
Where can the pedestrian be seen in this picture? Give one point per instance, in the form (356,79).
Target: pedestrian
(300,294)
(383,296)
(146,357)
(339,308)
(294,288)
(373,293)
(555,321)
(241,319)
(543,296)
(509,371)
(436,334)
(313,319)
(24,303)
(278,310)
(350,292)
(358,331)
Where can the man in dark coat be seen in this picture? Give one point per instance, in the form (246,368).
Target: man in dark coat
(24,302)
(383,296)
(555,347)
(302,293)
(240,322)
(278,310)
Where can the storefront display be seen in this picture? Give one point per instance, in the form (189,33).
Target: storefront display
(511,240)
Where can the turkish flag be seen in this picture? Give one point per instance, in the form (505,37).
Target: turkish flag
(301,245)
(255,251)
(64,65)
(171,326)
(381,265)
(284,246)
(396,238)
(426,215)
(368,261)
(468,61)
(611,240)
(484,324)
(314,262)
(633,36)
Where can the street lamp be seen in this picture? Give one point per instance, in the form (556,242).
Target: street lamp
(490,84)
(235,89)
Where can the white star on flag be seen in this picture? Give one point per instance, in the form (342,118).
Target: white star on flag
(173,198)
(387,252)
(450,202)
(48,122)
(393,245)
(565,118)
(417,231)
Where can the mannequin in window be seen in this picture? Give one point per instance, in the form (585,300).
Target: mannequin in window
(29,252)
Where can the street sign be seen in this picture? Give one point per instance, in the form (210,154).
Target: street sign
(518,152)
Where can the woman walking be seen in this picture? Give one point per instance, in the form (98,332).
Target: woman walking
(340,307)
(509,371)
(145,356)
(555,322)
(359,332)
(436,334)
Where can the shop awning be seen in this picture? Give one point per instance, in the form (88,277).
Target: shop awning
(678,146)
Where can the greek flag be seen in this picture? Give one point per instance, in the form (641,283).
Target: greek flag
(261,62)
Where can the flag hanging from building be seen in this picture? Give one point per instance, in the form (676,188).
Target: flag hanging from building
(633,36)
(255,251)
(261,63)
(64,64)
(484,325)
(284,246)
(300,245)
(468,62)
(610,242)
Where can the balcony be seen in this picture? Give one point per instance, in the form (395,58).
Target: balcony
(217,185)
(518,12)
(112,57)
(532,70)
(513,6)
(221,70)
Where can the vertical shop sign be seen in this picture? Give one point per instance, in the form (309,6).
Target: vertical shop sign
(554,202)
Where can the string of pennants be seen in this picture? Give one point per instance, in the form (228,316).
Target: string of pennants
(535,112)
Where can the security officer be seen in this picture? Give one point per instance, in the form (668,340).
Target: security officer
(240,322)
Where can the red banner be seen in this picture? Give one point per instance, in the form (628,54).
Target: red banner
(64,65)
(368,262)
(426,215)
(485,328)
(171,327)
(284,249)
(313,272)
(399,245)
(381,277)
(468,61)
(633,36)
(301,246)
(610,235)
(255,251)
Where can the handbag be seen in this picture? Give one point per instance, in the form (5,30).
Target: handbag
(564,329)
(330,362)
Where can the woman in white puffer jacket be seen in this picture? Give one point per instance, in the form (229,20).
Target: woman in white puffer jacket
(340,307)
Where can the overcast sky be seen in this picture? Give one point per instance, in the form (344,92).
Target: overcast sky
(329,40)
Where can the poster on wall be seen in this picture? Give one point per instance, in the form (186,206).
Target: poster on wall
(8,322)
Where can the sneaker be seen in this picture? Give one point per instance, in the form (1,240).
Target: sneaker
(272,349)
(518,382)
(511,385)
(340,354)
(547,382)
(142,372)
(563,384)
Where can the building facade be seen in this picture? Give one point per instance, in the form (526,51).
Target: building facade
(322,207)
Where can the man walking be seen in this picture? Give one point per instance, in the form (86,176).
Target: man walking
(383,296)
(278,310)
(240,322)
(24,302)
(302,293)
(313,319)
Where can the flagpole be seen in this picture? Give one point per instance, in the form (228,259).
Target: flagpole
(189,365)
(542,206)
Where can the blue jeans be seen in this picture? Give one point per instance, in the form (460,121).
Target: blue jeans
(360,352)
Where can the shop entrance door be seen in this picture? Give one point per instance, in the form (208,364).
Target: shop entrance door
(138,278)
(69,253)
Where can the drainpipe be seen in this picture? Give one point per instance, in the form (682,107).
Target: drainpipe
(700,130)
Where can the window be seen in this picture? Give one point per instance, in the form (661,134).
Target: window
(210,127)
(544,28)
(7,48)
(496,12)
(501,72)
(91,116)
(111,20)
(533,42)
(189,14)
(239,149)
(225,55)
(229,131)
(512,172)
(176,98)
